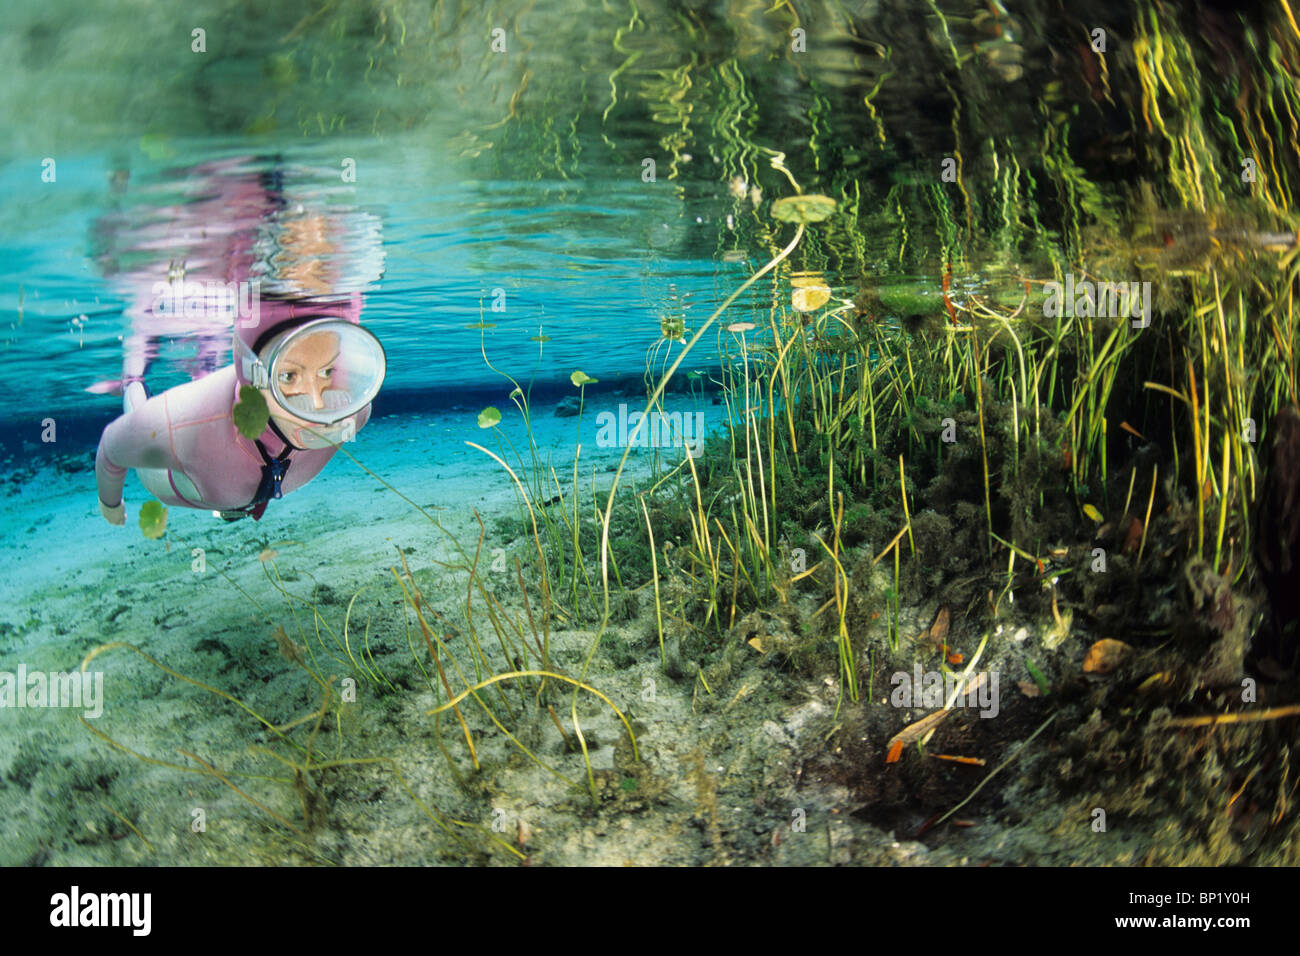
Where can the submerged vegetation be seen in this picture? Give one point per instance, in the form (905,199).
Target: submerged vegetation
(997,383)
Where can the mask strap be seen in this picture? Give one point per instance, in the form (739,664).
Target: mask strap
(253,370)
(288,445)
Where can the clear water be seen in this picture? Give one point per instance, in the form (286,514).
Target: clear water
(546,202)
(593,265)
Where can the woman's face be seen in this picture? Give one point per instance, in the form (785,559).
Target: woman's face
(305,369)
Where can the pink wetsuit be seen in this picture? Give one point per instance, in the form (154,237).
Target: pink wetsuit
(189,429)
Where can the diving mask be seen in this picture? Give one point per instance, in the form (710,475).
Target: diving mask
(323,373)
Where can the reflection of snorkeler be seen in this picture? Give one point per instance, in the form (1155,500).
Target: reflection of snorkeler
(318,371)
(300,344)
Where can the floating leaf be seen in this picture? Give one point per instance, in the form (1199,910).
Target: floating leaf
(803,209)
(740,326)
(581,378)
(540,338)
(153,519)
(809,298)
(481,325)
(673,328)
(1092,513)
(251,413)
(488,417)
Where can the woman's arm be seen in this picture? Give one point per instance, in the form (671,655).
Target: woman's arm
(138,439)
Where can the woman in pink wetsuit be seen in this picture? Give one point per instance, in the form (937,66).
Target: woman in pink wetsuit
(301,345)
(318,371)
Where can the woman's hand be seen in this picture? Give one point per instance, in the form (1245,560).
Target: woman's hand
(114,514)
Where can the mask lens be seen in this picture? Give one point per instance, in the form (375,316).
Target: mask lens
(333,398)
(329,363)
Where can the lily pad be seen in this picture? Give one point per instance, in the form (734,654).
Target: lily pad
(251,413)
(581,378)
(488,417)
(803,209)
(673,328)
(153,519)
(809,298)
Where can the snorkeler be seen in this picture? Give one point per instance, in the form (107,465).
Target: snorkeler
(318,370)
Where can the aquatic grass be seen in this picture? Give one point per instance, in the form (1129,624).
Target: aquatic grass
(366,667)
(654,565)
(520,642)
(580,380)
(537,473)
(844,644)
(893,599)
(439,651)
(824,407)
(307,765)
(702,526)
(539,487)
(751,485)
